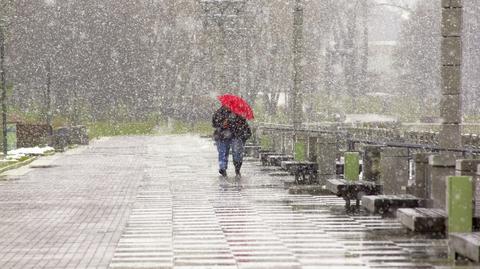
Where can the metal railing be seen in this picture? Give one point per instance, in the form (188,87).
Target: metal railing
(351,135)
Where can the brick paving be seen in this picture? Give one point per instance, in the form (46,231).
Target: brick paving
(157,202)
(72,214)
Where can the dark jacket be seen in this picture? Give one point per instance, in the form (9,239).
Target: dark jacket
(229,125)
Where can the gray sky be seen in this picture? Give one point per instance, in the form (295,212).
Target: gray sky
(386,22)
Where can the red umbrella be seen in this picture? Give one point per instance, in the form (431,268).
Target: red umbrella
(237,105)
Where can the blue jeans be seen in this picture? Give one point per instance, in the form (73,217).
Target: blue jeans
(223,148)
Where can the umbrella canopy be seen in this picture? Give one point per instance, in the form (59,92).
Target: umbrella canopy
(237,105)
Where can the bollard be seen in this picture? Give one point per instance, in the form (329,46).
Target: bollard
(300,149)
(468,167)
(459,204)
(266,142)
(352,166)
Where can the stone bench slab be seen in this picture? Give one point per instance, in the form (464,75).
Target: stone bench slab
(252,150)
(466,245)
(304,172)
(428,220)
(263,156)
(351,189)
(276,160)
(388,204)
(295,165)
(423,219)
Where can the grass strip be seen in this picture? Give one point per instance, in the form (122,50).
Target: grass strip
(22,162)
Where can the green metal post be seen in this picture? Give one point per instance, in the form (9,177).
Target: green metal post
(300,150)
(459,204)
(266,142)
(352,166)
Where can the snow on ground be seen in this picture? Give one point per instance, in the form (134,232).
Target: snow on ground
(22,152)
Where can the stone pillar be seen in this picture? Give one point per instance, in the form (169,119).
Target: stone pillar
(421,178)
(289,144)
(277,139)
(371,163)
(450,106)
(394,167)
(467,167)
(312,148)
(441,166)
(281,141)
(326,152)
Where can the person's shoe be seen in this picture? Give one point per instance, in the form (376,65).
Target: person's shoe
(237,172)
(238,166)
(223,172)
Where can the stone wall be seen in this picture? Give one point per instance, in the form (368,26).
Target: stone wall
(31,135)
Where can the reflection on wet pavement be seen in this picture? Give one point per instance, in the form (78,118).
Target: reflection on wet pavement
(188,217)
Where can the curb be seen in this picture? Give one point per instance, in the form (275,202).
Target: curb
(17,165)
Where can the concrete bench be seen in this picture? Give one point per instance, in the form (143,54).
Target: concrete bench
(252,150)
(353,190)
(423,219)
(466,245)
(264,154)
(276,160)
(461,218)
(304,172)
(388,204)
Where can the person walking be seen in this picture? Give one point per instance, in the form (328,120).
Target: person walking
(231,131)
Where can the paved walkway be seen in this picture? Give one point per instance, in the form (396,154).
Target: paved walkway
(157,202)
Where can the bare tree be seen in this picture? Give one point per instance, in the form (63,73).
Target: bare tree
(417,57)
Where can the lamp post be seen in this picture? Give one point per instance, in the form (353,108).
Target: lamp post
(48,96)
(298,56)
(4,90)
(224,15)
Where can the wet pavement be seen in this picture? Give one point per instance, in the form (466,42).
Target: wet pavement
(157,202)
